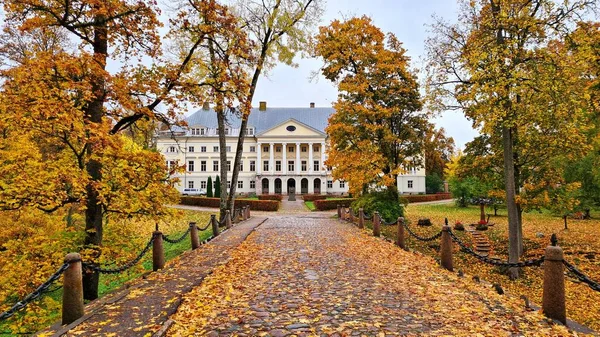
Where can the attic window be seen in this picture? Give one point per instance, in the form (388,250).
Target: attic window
(291,128)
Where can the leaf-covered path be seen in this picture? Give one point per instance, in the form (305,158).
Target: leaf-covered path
(307,275)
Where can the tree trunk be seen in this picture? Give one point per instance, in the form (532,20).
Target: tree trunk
(520,229)
(482,212)
(223,157)
(565,219)
(513,214)
(94,113)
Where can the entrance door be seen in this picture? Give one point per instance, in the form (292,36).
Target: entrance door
(265,186)
(317,186)
(304,186)
(291,185)
(277,186)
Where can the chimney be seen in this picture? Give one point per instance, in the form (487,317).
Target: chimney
(262,106)
(206,105)
(312,105)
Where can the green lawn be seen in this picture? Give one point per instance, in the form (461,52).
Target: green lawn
(310,205)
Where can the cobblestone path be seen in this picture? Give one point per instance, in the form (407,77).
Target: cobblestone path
(313,276)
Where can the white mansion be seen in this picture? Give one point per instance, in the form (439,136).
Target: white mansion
(284,148)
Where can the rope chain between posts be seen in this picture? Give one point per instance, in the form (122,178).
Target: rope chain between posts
(36,293)
(367,216)
(388,223)
(529,263)
(124,267)
(355,214)
(581,276)
(205,227)
(422,238)
(178,240)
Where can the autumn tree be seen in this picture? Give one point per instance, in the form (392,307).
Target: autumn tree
(278,30)
(377,129)
(62,113)
(438,148)
(503,66)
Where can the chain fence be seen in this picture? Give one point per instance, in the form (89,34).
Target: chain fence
(421,238)
(43,288)
(581,276)
(392,223)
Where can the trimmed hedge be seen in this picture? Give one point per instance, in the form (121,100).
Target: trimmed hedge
(324,205)
(255,205)
(313,197)
(427,197)
(277,197)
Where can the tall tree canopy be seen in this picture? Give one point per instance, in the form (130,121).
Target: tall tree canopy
(504,65)
(438,150)
(377,129)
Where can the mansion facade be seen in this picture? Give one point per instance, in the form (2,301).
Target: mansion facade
(285,149)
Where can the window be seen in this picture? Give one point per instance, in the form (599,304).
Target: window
(329,183)
(202,148)
(227,130)
(171,149)
(202,132)
(215,165)
(241,166)
(266,165)
(240,184)
(228,184)
(249,131)
(228,165)
(203,184)
(190,149)
(277,148)
(303,148)
(265,149)
(190,184)
(278,165)
(303,167)
(196,131)
(290,149)
(316,148)
(410,183)
(171,164)
(203,166)
(316,166)
(342,184)
(252,166)
(228,148)
(215,149)
(191,166)
(252,184)
(291,166)
(291,128)
(252,148)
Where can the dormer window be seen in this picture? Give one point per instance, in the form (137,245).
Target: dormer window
(197,131)
(249,131)
(227,131)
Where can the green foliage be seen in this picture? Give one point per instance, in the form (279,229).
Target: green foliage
(386,203)
(310,205)
(433,183)
(587,172)
(209,188)
(217,187)
(465,189)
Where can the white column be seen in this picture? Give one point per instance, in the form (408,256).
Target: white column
(284,158)
(259,159)
(271,159)
(310,157)
(311,186)
(297,158)
(322,157)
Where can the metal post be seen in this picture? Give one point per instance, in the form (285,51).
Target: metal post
(339,209)
(400,235)
(248,211)
(244,213)
(72,300)
(228,218)
(350,215)
(361,218)
(553,298)
(215,225)
(158,252)
(376,220)
(446,248)
(194,235)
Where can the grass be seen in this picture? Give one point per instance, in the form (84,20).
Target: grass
(112,282)
(581,245)
(310,205)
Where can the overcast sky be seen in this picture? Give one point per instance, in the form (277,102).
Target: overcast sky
(407,19)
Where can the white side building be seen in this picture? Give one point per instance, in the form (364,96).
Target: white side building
(284,148)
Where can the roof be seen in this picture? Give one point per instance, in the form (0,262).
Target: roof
(316,118)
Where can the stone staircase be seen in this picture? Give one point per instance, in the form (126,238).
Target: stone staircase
(481,243)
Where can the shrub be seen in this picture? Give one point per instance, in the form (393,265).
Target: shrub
(277,197)
(256,205)
(313,197)
(209,188)
(385,202)
(324,205)
(428,197)
(433,183)
(217,187)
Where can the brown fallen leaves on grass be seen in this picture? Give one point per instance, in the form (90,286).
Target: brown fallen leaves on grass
(265,269)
